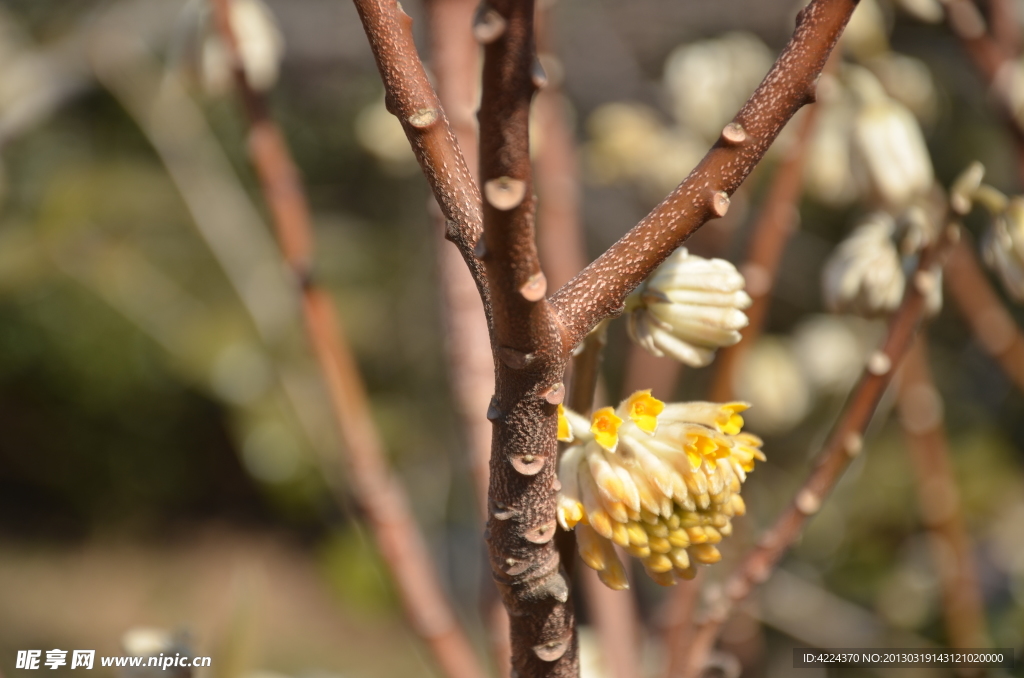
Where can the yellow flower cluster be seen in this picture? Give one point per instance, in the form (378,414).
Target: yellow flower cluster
(660,480)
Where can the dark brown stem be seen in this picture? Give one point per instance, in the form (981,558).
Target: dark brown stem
(600,289)
(978,303)
(920,410)
(768,238)
(843,445)
(379,495)
(530,359)
(411,99)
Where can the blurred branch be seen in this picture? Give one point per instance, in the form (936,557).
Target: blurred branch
(379,494)
(921,414)
(600,289)
(221,210)
(991,323)
(844,444)
(992,59)
(455,55)
(770,233)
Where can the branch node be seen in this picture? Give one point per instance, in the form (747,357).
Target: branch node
(811,95)
(925,282)
(514,358)
(480,249)
(556,587)
(494,413)
(528,465)
(423,118)
(538,76)
(555,394)
(734,134)
(553,650)
(541,534)
(879,363)
(505,193)
(556,485)
(515,567)
(720,203)
(500,511)
(488,25)
(535,288)
(808,502)
(853,444)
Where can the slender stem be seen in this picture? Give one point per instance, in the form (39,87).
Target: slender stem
(992,324)
(768,238)
(1002,16)
(409,96)
(844,444)
(992,60)
(920,410)
(379,494)
(601,288)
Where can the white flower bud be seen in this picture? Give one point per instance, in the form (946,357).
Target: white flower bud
(1003,248)
(864,276)
(260,47)
(688,308)
(928,11)
(710,80)
(889,151)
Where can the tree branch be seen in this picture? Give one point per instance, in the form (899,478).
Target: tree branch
(379,494)
(410,98)
(843,445)
(978,303)
(920,410)
(600,289)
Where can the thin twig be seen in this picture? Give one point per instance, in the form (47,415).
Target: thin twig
(992,60)
(992,324)
(601,288)
(768,238)
(410,98)
(920,413)
(379,494)
(844,444)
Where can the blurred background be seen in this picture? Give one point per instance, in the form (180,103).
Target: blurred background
(161,418)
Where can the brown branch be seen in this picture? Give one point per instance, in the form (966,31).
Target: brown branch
(1002,16)
(455,55)
(600,289)
(992,61)
(769,235)
(530,358)
(843,445)
(378,493)
(410,98)
(991,323)
(920,411)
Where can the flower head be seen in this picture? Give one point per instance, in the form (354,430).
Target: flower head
(666,491)
(688,308)
(864,275)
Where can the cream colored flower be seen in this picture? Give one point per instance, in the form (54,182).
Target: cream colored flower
(260,46)
(864,276)
(710,80)
(889,152)
(660,480)
(688,308)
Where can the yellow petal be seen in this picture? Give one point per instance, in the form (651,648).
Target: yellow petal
(643,410)
(605,427)
(728,420)
(705,553)
(564,428)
